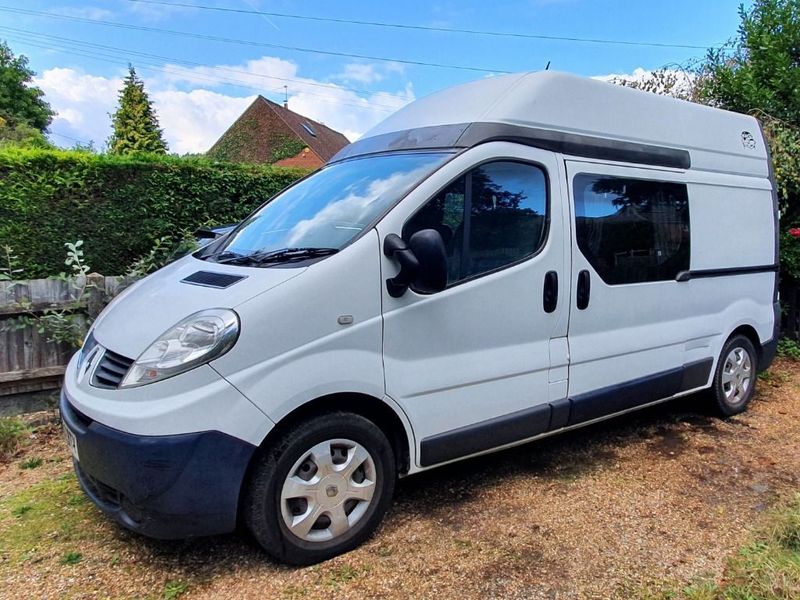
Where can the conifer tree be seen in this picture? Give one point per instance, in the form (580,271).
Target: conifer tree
(135,123)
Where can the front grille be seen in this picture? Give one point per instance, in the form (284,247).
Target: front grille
(112,368)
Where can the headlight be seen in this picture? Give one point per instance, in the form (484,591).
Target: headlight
(196,340)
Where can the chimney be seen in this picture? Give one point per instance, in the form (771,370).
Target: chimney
(286,97)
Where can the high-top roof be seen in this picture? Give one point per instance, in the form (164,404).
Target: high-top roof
(550,104)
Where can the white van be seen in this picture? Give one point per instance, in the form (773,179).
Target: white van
(494,263)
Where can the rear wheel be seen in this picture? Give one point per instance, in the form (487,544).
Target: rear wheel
(735,377)
(321,490)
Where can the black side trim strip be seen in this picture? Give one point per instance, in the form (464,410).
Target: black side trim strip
(467,135)
(485,435)
(528,423)
(696,374)
(726,272)
(616,398)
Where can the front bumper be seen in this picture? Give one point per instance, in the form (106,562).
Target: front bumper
(167,487)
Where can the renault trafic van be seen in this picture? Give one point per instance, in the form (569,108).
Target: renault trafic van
(497,262)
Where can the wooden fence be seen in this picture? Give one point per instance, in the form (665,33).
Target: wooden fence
(29,360)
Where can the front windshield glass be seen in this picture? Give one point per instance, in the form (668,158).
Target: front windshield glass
(330,208)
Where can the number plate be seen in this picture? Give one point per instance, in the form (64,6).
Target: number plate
(72,441)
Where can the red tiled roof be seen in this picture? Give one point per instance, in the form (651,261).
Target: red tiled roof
(324,141)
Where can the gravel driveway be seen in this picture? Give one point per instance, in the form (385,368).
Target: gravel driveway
(621,509)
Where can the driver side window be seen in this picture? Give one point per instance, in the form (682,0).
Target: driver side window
(490,217)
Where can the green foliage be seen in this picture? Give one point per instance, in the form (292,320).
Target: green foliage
(759,69)
(164,251)
(287,147)
(175,589)
(12,431)
(31,463)
(21,135)
(136,129)
(20,102)
(789,349)
(230,146)
(71,558)
(120,205)
(758,74)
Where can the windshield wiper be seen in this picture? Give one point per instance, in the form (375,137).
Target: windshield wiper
(277,256)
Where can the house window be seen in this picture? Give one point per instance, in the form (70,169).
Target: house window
(632,230)
(309,129)
(491,217)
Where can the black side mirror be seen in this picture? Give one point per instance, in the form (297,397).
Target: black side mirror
(423,263)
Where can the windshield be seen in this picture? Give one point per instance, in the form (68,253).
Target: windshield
(327,210)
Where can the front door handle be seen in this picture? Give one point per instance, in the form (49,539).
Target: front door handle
(550,293)
(584,290)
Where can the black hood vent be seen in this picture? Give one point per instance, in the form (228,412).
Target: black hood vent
(214,280)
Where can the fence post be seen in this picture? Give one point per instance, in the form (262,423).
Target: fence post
(96,298)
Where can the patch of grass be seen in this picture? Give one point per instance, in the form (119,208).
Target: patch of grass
(175,589)
(12,432)
(20,510)
(341,575)
(71,558)
(766,569)
(45,519)
(31,463)
(789,349)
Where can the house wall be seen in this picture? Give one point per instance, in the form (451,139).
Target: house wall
(306,159)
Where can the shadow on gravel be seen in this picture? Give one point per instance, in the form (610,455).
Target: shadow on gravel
(439,493)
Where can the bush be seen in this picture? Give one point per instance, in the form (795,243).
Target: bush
(119,205)
(12,431)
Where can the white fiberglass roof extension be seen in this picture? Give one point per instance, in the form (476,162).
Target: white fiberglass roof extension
(576,116)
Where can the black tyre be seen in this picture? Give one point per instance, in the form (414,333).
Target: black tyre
(320,490)
(735,378)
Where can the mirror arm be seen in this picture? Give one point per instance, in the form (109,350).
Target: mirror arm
(395,247)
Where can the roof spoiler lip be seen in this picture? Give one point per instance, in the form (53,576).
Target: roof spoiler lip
(468,135)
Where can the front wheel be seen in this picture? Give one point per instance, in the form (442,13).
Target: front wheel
(321,490)
(735,377)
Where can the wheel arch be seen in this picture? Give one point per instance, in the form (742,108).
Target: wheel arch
(375,409)
(751,334)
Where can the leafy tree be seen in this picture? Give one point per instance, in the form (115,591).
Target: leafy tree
(135,123)
(677,83)
(24,115)
(23,135)
(759,70)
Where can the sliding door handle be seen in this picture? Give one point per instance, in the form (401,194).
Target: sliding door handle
(550,293)
(584,290)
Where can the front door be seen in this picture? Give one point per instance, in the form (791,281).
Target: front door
(628,328)
(471,365)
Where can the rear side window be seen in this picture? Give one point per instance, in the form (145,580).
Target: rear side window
(632,230)
(493,216)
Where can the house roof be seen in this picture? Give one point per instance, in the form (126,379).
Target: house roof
(323,141)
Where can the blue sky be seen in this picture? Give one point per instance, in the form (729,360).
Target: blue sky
(200,85)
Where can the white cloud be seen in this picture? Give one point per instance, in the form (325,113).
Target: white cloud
(82,103)
(681,82)
(369,72)
(83,12)
(193,121)
(194,111)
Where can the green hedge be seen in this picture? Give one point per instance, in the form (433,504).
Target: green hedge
(119,205)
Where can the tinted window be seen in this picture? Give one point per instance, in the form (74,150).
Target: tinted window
(632,230)
(491,217)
